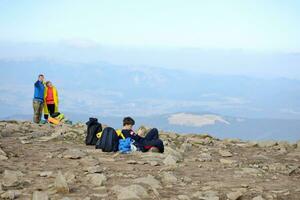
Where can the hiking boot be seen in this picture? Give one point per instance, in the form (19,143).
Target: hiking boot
(154,150)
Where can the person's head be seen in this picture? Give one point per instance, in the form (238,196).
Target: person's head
(41,77)
(48,84)
(128,123)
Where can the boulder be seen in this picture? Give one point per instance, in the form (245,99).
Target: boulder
(61,184)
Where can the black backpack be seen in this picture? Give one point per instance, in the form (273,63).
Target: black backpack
(109,140)
(93,127)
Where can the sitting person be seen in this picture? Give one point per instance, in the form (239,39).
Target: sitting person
(51,100)
(150,142)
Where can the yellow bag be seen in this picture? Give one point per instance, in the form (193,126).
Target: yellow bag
(53,120)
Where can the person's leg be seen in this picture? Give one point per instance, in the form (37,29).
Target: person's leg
(51,109)
(158,143)
(41,107)
(35,111)
(152,135)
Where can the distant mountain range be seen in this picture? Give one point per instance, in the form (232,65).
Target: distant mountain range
(215,125)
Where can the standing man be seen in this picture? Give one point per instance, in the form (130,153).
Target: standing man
(38,99)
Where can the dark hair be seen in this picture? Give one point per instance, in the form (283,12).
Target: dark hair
(128,121)
(41,75)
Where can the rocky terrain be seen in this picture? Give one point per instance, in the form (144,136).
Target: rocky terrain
(42,162)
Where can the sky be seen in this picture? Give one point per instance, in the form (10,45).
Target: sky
(254,25)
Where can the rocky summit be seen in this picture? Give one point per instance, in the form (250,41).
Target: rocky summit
(43,162)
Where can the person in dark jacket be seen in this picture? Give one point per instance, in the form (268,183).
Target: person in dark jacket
(38,98)
(150,142)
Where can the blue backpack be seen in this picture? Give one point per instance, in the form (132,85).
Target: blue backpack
(125,145)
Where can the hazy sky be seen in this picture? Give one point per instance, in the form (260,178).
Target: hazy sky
(268,25)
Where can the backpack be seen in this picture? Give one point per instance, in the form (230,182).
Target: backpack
(125,145)
(93,127)
(109,140)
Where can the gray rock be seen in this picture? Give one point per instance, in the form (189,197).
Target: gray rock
(227,161)
(148,180)
(70,177)
(73,154)
(46,174)
(3,155)
(11,194)
(173,152)
(234,195)
(206,195)
(97,179)
(131,162)
(61,184)
(267,143)
(205,157)
(38,195)
(258,198)
(168,178)
(170,160)
(11,178)
(185,147)
(183,197)
(94,169)
(225,153)
(132,192)
(154,163)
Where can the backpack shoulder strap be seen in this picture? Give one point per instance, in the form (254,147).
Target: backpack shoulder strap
(120,134)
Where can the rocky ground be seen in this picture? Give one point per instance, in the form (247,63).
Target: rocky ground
(52,162)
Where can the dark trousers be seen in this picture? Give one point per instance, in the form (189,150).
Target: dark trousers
(152,139)
(51,109)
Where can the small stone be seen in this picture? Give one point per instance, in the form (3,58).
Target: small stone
(11,194)
(206,195)
(131,192)
(94,169)
(46,174)
(183,197)
(258,198)
(234,195)
(170,160)
(73,154)
(97,179)
(148,180)
(38,195)
(225,153)
(168,178)
(131,162)
(154,163)
(227,161)
(3,155)
(11,178)
(267,143)
(61,184)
